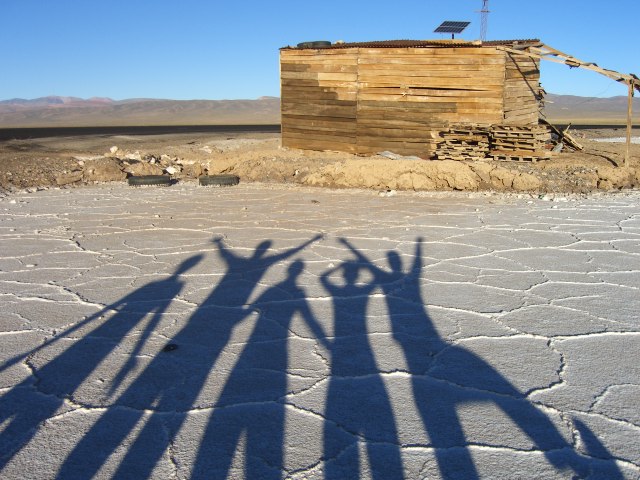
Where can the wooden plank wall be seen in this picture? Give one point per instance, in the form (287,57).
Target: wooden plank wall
(521,89)
(318,95)
(365,100)
(407,95)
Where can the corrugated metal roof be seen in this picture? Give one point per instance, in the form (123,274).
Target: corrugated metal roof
(420,44)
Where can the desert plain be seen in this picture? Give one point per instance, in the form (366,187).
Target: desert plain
(475,325)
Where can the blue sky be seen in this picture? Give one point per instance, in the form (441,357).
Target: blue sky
(228,49)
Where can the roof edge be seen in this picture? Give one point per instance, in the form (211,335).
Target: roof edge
(414,44)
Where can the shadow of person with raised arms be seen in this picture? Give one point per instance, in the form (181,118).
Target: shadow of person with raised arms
(251,404)
(31,402)
(445,376)
(172,381)
(357,399)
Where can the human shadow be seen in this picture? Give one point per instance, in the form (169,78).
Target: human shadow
(357,399)
(172,381)
(251,404)
(25,406)
(445,377)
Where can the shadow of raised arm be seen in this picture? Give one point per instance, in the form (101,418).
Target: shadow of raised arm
(416,267)
(117,306)
(292,251)
(354,250)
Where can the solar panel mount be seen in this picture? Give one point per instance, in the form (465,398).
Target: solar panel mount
(451,27)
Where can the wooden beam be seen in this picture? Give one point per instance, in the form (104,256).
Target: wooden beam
(629,124)
(545,52)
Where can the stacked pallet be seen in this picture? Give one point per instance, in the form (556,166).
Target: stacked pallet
(524,143)
(470,142)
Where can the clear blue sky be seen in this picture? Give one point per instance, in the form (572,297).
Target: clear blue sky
(228,49)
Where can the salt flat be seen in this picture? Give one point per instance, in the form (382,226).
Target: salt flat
(284,332)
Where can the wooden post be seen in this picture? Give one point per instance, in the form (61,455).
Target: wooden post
(626,153)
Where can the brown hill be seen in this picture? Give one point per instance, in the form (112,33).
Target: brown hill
(589,110)
(74,112)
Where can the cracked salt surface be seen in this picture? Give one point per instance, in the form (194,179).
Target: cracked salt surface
(319,334)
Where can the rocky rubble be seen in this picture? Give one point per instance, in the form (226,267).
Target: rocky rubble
(117,165)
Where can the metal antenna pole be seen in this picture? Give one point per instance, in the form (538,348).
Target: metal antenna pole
(484,17)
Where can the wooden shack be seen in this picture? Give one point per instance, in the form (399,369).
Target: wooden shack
(400,95)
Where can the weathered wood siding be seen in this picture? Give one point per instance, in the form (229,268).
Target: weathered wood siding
(319,97)
(366,100)
(407,95)
(521,90)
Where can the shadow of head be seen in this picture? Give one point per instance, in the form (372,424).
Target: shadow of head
(395,262)
(296,268)
(262,248)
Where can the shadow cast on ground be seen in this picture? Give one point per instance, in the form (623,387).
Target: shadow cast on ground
(251,405)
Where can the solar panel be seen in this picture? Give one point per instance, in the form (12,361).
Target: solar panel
(451,27)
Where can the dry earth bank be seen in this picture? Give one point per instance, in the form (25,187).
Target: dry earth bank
(74,161)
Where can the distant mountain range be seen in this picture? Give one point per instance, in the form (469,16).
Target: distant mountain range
(17,104)
(72,112)
(573,109)
(57,111)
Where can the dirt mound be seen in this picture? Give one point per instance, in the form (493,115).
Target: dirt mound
(259,157)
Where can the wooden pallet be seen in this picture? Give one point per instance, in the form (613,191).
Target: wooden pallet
(463,142)
(460,158)
(513,145)
(519,156)
(525,143)
(519,142)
